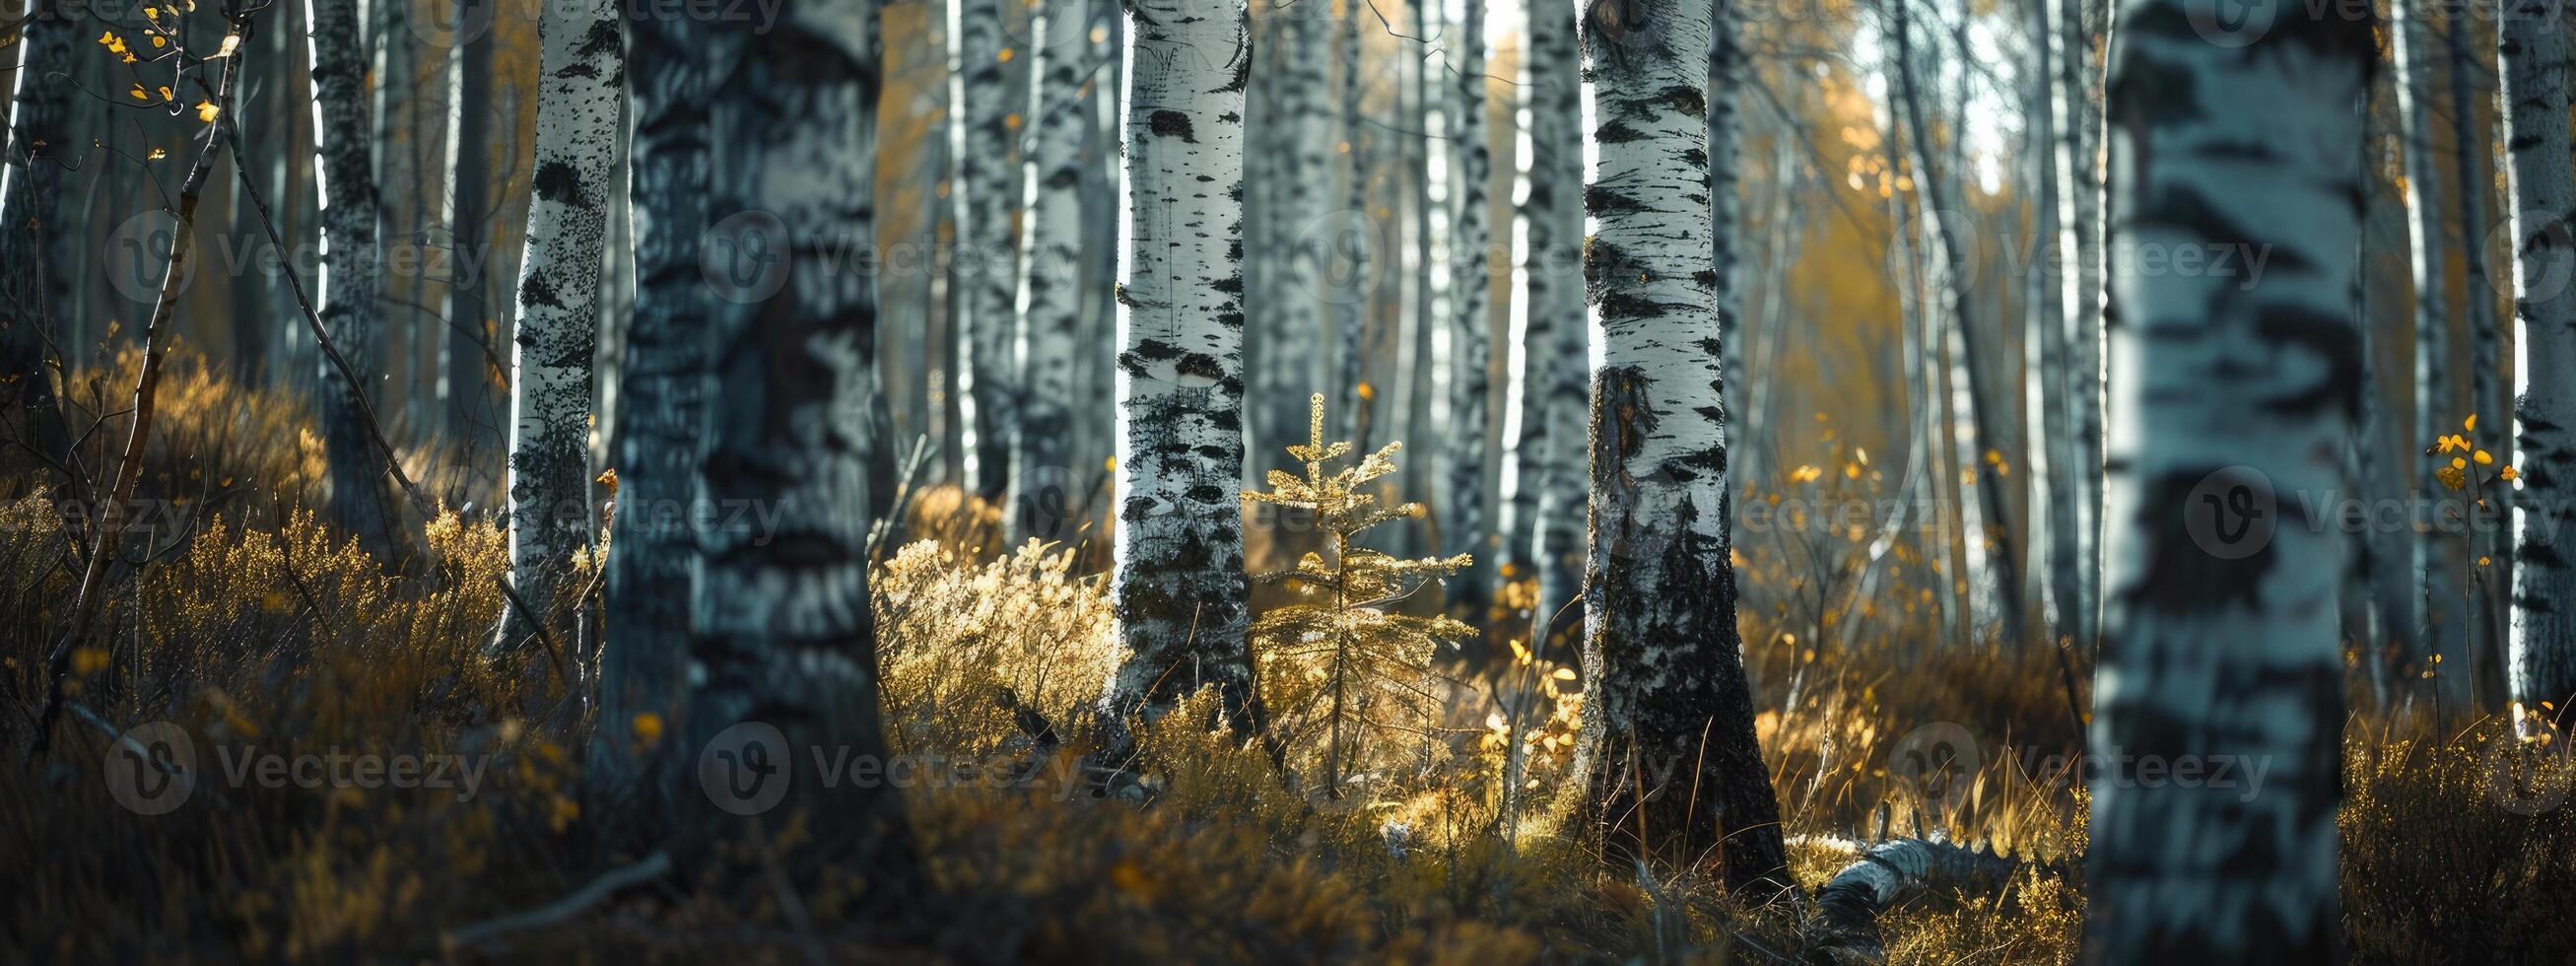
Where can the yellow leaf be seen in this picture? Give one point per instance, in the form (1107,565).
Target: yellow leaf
(2508,474)
(206,111)
(159,41)
(2482,458)
(165,92)
(156,155)
(138,93)
(2471,423)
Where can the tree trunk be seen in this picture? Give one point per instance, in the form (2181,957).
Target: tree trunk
(2078,141)
(469,413)
(2045,352)
(580,87)
(2219,641)
(1668,745)
(2489,392)
(991,110)
(32,284)
(1465,527)
(1047,485)
(1180,587)
(784,637)
(662,399)
(1559,342)
(2533,49)
(2435,554)
(1349,241)
(360,498)
(1296,169)
(1982,449)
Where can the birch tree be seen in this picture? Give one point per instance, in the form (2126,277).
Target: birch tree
(1668,745)
(1050,308)
(2489,391)
(1981,447)
(1557,342)
(2432,555)
(1351,299)
(2231,401)
(783,633)
(33,286)
(1179,584)
(1296,170)
(2046,388)
(1465,527)
(360,498)
(661,401)
(581,87)
(989,181)
(2533,50)
(2078,142)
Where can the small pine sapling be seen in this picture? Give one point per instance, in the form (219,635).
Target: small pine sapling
(1370,663)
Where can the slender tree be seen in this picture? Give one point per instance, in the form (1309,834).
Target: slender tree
(1668,744)
(1045,488)
(783,634)
(2489,391)
(2443,612)
(1466,526)
(1351,297)
(1180,586)
(1983,447)
(991,109)
(32,284)
(2231,401)
(1557,342)
(360,496)
(2080,173)
(2044,343)
(2533,49)
(1296,171)
(581,88)
(662,405)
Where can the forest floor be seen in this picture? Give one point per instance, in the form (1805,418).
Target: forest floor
(262,635)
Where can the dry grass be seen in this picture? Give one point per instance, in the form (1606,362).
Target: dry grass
(265,630)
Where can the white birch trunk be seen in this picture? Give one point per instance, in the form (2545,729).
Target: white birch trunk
(2232,400)
(2045,350)
(2079,127)
(782,633)
(1466,526)
(985,261)
(1290,350)
(1047,485)
(2533,48)
(361,498)
(1558,339)
(1666,702)
(1179,584)
(2435,554)
(581,87)
(33,283)
(2490,393)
